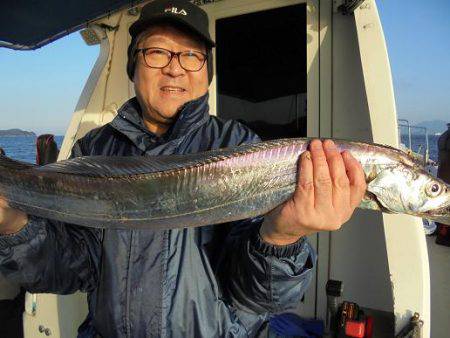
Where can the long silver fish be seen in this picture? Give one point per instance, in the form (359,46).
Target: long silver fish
(213,187)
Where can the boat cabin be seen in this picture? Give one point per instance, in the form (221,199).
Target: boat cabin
(286,68)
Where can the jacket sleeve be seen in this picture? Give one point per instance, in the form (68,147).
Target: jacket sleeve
(262,278)
(51,256)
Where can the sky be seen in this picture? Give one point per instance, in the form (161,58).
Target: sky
(40,89)
(417,35)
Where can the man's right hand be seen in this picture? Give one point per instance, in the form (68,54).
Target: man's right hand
(11,220)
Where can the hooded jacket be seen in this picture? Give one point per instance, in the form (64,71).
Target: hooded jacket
(212,281)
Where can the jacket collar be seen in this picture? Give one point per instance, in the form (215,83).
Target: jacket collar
(130,123)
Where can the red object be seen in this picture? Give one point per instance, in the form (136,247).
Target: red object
(443,234)
(48,139)
(354,328)
(369,327)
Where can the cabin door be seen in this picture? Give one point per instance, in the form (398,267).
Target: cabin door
(261,73)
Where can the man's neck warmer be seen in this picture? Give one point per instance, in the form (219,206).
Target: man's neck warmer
(129,122)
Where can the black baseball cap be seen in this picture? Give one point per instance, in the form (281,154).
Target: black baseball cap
(178,11)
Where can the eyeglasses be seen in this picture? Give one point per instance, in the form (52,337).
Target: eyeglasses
(191,61)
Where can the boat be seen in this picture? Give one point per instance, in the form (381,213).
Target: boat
(429,165)
(335,81)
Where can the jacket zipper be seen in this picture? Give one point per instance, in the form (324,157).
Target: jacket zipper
(128,295)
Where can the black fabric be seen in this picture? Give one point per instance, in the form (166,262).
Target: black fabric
(210,281)
(278,251)
(266,54)
(11,312)
(179,11)
(33,24)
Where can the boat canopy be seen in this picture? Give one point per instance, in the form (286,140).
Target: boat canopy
(28,25)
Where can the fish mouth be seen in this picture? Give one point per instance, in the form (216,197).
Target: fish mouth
(441,219)
(441,215)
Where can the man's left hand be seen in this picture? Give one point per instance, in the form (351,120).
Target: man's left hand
(330,185)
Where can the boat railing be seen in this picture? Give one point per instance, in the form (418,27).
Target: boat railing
(426,154)
(429,165)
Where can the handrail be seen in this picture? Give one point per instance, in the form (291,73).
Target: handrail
(427,145)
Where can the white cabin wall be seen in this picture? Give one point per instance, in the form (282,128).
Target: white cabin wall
(108,86)
(337,107)
(324,116)
(318,241)
(381,258)
(405,239)
(358,251)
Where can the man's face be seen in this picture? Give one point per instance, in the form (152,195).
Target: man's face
(161,92)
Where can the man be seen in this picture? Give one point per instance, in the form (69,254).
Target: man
(212,281)
(443,231)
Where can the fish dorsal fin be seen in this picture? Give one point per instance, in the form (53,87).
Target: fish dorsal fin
(404,155)
(115,166)
(9,163)
(407,153)
(416,160)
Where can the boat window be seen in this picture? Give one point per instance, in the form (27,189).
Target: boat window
(261,71)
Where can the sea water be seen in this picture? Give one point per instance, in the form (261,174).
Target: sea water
(23,148)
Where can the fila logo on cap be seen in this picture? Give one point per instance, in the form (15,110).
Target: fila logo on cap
(175,10)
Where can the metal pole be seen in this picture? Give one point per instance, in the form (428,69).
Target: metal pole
(409,131)
(409,136)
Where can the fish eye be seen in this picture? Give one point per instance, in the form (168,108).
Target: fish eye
(433,189)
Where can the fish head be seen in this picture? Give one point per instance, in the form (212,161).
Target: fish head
(436,197)
(409,189)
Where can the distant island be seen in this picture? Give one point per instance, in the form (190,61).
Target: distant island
(434,127)
(16,132)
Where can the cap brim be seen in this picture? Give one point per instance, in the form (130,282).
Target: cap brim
(140,25)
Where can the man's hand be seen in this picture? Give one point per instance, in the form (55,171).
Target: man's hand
(11,220)
(330,185)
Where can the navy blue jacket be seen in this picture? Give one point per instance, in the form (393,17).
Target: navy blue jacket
(212,281)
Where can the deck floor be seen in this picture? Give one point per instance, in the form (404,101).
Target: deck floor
(439,258)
